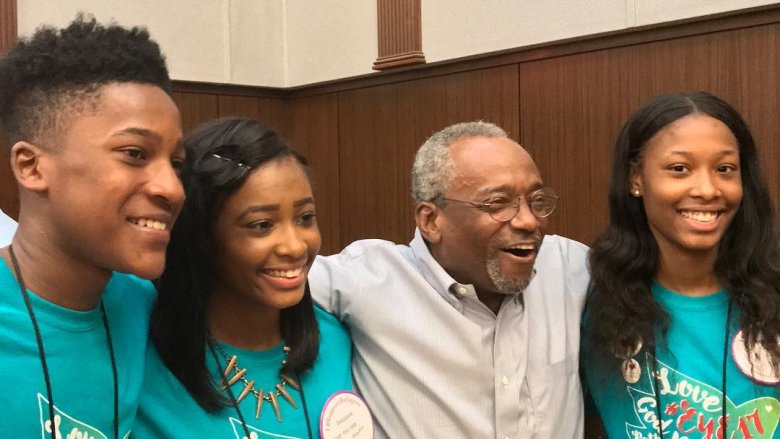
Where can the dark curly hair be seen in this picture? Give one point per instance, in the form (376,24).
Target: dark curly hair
(59,72)
(624,260)
(179,327)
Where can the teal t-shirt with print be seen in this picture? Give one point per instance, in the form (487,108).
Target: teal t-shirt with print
(78,360)
(168,411)
(689,385)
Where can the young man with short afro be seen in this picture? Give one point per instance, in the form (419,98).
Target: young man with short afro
(95,144)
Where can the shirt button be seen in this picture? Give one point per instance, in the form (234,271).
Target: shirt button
(505,380)
(462,290)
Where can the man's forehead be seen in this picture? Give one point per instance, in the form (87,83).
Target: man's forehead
(482,162)
(502,146)
(479,152)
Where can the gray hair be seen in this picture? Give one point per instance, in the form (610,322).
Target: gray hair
(432,170)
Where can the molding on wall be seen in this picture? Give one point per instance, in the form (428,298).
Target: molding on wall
(726,21)
(399,32)
(228,89)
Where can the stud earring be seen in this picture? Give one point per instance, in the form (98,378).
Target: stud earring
(636,192)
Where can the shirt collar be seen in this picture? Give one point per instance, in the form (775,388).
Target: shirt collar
(436,275)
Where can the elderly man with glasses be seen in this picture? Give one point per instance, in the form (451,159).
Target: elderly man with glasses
(472,330)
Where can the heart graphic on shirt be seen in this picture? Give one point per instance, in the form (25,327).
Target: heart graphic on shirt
(694,408)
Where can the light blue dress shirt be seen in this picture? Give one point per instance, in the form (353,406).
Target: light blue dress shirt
(432,361)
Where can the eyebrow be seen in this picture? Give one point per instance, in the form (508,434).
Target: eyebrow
(303,201)
(509,189)
(722,153)
(135,131)
(273,207)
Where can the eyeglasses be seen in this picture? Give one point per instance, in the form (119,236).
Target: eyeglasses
(541,203)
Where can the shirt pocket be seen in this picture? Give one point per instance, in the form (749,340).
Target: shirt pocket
(556,398)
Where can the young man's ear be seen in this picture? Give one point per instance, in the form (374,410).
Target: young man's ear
(26,165)
(429,220)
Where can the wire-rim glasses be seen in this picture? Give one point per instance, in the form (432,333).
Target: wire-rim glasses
(541,203)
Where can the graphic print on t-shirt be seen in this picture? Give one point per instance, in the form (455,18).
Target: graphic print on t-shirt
(691,409)
(254,433)
(64,423)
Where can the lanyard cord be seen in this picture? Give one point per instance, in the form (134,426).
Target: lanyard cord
(727,333)
(233,401)
(42,353)
(303,402)
(228,389)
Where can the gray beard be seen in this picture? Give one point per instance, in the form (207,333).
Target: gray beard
(502,283)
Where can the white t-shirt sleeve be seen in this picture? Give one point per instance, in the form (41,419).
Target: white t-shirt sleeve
(7,229)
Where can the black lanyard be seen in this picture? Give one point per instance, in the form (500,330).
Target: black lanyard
(42,353)
(658,413)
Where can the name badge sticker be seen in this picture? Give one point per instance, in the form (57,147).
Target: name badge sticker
(756,364)
(346,416)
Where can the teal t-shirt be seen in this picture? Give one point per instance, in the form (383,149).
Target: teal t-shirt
(168,411)
(78,361)
(690,381)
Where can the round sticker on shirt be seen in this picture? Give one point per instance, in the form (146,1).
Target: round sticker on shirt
(346,416)
(757,364)
(631,371)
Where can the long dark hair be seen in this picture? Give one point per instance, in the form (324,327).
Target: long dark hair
(220,156)
(624,259)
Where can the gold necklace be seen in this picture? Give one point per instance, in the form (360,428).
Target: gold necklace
(239,374)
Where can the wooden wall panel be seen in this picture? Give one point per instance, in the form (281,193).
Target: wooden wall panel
(8,25)
(565,100)
(9,196)
(573,107)
(274,112)
(314,133)
(196,108)
(380,129)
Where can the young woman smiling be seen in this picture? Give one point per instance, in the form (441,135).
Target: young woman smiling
(683,314)
(239,348)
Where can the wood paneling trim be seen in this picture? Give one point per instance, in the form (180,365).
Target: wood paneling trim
(8,30)
(399,28)
(746,18)
(401,60)
(228,89)
(758,16)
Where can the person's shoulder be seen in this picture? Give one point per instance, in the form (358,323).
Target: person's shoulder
(568,248)
(363,247)
(360,254)
(129,290)
(331,330)
(565,260)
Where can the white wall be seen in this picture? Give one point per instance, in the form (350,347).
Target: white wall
(225,41)
(456,29)
(330,39)
(489,25)
(257,43)
(285,43)
(191,37)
